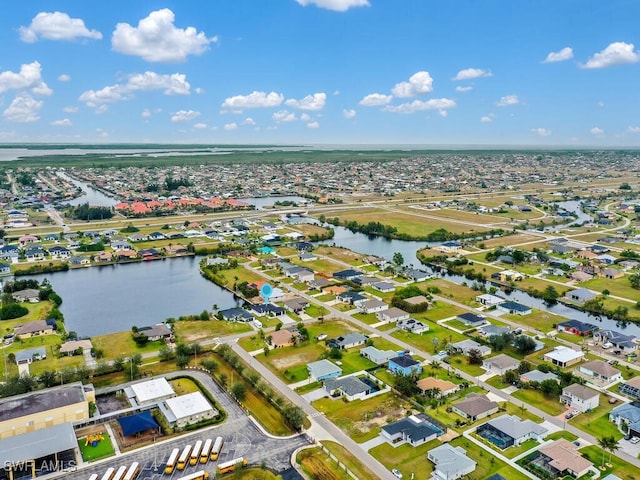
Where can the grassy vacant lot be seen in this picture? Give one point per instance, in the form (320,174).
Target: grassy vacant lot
(322,265)
(348,459)
(620,287)
(425,341)
(102,450)
(440,310)
(538,319)
(242,275)
(362,419)
(460,293)
(406,458)
(414,224)
(341,255)
(534,397)
(508,240)
(190,331)
(317,464)
(121,344)
(254,473)
(622,469)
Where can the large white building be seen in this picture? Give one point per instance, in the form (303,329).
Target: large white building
(151,391)
(187,409)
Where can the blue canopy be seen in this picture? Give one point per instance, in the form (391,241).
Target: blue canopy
(137,423)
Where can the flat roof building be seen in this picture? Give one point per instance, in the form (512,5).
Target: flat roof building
(44,408)
(188,409)
(150,391)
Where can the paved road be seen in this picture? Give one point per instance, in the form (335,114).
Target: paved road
(241,435)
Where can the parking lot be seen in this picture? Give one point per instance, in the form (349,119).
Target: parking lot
(242,438)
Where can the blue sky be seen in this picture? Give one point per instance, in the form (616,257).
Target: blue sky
(494,72)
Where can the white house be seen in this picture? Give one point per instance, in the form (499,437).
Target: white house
(563,356)
(450,463)
(373,306)
(392,314)
(601,371)
(580,397)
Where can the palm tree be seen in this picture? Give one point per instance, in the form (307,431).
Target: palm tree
(435,365)
(613,446)
(603,443)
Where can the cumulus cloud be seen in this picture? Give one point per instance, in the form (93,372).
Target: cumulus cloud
(70,109)
(419,83)
(230,126)
(305,117)
(471,73)
(62,123)
(184,116)
(56,26)
(335,5)
(633,129)
(375,100)
(617,53)
(541,132)
(28,78)
(174,84)
(487,118)
(419,105)
(249,121)
(348,114)
(255,99)
(310,102)
(462,89)
(283,116)
(146,113)
(23,109)
(200,126)
(596,131)
(313,125)
(508,100)
(64,78)
(565,54)
(157,39)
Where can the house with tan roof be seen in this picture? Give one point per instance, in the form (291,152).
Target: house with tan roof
(579,397)
(500,364)
(444,386)
(32,329)
(600,371)
(562,458)
(475,407)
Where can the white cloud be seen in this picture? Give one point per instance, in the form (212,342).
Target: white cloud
(310,102)
(174,84)
(487,118)
(565,54)
(336,92)
(471,73)
(56,26)
(199,90)
(29,78)
(375,100)
(305,117)
(184,116)
(617,53)
(230,126)
(419,105)
(601,104)
(596,131)
(102,133)
(64,78)
(541,132)
(249,121)
(632,129)
(255,99)
(283,116)
(419,83)
(508,100)
(62,123)
(70,109)
(462,89)
(348,114)
(146,113)
(157,39)
(200,126)
(335,5)
(23,109)
(313,125)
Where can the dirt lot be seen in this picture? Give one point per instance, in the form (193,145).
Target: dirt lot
(111,403)
(292,360)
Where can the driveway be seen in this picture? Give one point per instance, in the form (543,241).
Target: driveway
(315,395)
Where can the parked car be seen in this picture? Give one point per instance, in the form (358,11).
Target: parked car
(607,345)
(617,352)
(398,474)
(635,440)
(569,415)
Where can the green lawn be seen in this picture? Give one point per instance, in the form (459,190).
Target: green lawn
(121,344)
(534,397)
(562,434)
(441,310)
(620,287)
(102,450)
(622,469)
(488,465)
(406,458)
(368,318)
(316,311)
(511,451)
(461,362)
(538,319)
(597,422)
(190,331)
(458,325)
(349,459)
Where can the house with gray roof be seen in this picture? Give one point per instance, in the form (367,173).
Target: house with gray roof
(450,463)
(350,340)
(414,430)
(500,364)
(372,306)
(377,356)
(350,388)
(384,287)
(472,319)
(323,370)
(475,407)
(508,431)
(489,330)
(579,397)
(580,295)
(465,346)
(538,376)
(412,325)
(393,314)
(25,357)
(620,341)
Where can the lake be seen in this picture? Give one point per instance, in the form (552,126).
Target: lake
(100,300)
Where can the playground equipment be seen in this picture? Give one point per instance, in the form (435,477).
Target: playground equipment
(93,440)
